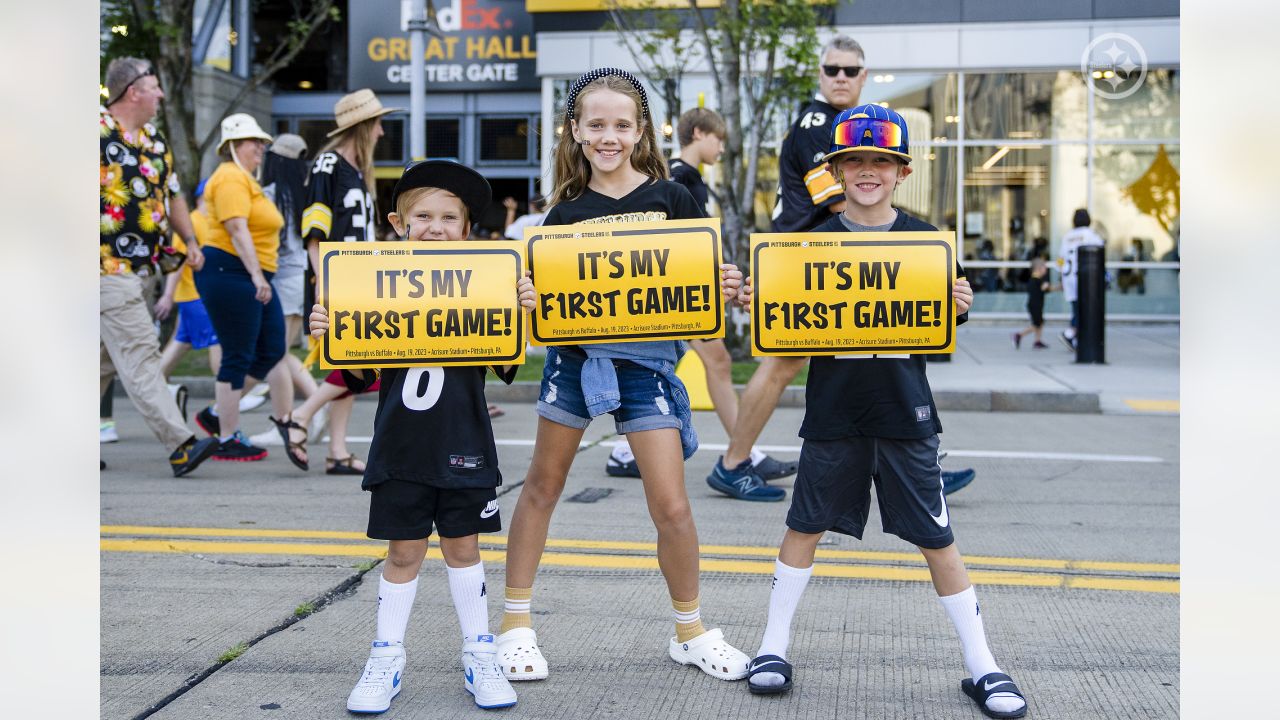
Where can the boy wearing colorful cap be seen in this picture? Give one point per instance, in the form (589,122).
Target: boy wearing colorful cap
(888,438)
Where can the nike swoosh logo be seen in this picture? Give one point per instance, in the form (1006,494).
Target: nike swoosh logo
(489,511)
(944,519)
(986,687)
(471,678)
(753,668)
(396,680)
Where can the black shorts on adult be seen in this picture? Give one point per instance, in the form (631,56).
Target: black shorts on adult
(833,489)
(400,510)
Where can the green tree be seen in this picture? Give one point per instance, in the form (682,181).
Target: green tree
(161,31)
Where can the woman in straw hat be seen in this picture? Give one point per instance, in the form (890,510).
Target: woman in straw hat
(240,259)
(339,207)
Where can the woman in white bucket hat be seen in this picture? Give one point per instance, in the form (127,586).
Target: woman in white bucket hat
(340,207)
(235,284)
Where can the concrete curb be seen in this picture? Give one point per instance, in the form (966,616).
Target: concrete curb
(793,396)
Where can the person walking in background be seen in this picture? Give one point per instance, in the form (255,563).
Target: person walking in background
(514,226)
(244,241)
(1037,286)
(139,198)
(1081,235)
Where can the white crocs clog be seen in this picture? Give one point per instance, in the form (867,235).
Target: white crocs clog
(519,656)
(712,655)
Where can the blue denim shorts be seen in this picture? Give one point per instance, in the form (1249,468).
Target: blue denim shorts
(646,398)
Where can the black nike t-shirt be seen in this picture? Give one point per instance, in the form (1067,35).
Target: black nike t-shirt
(688,176)
(652,201)
(432,427)
(870,395)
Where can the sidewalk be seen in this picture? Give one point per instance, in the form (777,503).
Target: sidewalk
(987,374)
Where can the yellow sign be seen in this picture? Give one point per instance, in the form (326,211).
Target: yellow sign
(618,282)
(409,304)
(843,293)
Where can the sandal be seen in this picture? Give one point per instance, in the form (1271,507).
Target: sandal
(993,684)
(520,656)
(342,466)
(711,654)
(769,664)
(290,447)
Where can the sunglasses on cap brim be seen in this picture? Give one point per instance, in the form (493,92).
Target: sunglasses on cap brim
(850,71)
(149,71)
(868,132)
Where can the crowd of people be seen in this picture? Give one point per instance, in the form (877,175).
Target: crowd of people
(840,164)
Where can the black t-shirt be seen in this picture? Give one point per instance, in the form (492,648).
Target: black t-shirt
(653,200)
(1035,291)
(432,427)
(688,176)
(871,396)
(805,187)
(339,206)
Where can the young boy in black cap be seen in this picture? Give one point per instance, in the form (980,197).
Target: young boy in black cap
(888,437)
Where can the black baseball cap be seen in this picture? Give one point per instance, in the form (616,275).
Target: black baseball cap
(455,177)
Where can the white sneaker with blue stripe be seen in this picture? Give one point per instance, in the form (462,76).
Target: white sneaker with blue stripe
(380,681)
(483,678)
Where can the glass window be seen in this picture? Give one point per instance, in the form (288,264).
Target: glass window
(504,139)
(929,193)
(219,52)
(315,132)
(443,138)
(391,147)
(928,102)
(1026,106)
(1136,196)
(1150,112)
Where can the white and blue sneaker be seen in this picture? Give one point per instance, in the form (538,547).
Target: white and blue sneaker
(380,681)
(484,679)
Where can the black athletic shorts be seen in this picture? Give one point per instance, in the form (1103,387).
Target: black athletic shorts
(833,489)
(401,510)
(1037,313)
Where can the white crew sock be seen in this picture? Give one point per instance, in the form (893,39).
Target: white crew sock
(965,614)
(757,456)
(788,586)
(395,601)
(622,451)
(470,600)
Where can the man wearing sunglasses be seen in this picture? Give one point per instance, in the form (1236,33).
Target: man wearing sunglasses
(807,196)
(139,199)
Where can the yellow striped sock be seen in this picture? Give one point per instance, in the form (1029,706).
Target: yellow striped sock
(515,612)
(688,619)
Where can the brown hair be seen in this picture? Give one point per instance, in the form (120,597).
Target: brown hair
(360,136)
(573,171)
(405,202)
(708,121)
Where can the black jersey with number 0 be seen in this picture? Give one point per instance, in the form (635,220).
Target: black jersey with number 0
(339,206)
(688,176)
(653,200)
(805,188)
(867,395)
(432,427)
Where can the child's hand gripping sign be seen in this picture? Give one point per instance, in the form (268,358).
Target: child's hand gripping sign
(842,293)
(618,282)
(408,304)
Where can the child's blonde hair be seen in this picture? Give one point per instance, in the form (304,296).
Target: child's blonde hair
(573,171)
(406,201)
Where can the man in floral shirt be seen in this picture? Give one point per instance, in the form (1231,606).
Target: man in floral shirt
(139,197)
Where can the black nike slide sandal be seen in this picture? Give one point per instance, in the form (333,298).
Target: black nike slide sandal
(772,664)
(988,685)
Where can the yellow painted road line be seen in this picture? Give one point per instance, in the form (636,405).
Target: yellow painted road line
(642,562)
(1168,406)
(705,550)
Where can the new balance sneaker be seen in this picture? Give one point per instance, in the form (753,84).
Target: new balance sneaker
(958,480)
(179,393)
(380,681)
(770,468)
(208,422)
(618,468)
(742,483)
(253,399)
(191,453)
(107,432)
(482,676)
(239,449)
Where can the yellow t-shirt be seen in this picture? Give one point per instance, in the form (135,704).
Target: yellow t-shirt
(232,193)
(186,290)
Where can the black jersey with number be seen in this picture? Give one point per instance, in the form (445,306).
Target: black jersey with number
(688,176)
(432,427)
(339,206)
(805,187)
(870,395)
(653,200)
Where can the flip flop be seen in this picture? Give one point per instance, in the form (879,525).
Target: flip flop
(993,684)
(290,447)
(769,664)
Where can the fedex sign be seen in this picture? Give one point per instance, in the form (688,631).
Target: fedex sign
(468,15)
